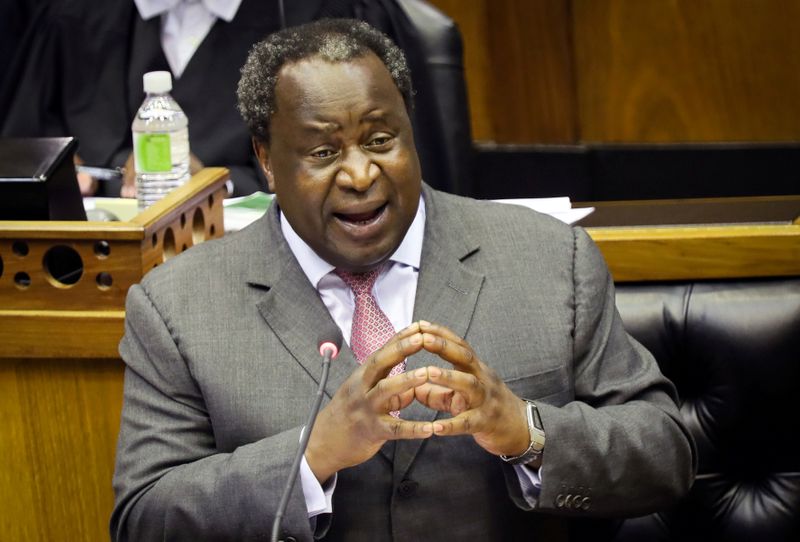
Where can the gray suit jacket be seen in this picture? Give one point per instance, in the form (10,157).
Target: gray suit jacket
(222,369)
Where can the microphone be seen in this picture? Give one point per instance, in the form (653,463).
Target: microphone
(329,341)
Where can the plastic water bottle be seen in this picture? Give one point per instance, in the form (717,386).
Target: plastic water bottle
(160,141)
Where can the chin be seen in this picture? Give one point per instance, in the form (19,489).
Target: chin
(360,265)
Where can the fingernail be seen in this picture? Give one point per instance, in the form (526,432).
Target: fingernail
(427,428)
(421,373)
(434,371)
(415,339)
(438,428)
(428,338)
(424,323)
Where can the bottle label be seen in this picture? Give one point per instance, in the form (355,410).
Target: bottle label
(153,153)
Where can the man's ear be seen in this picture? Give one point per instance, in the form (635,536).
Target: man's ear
(262,153)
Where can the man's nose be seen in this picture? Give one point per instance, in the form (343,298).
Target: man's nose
(358,171)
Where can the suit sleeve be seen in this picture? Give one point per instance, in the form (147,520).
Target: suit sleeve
(170,482)
(620,447)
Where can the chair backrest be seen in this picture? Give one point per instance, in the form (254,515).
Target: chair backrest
(733,351)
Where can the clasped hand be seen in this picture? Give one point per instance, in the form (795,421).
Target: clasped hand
(356,422)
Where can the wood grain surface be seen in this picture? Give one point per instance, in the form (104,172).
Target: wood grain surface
(569,71)
(60,425)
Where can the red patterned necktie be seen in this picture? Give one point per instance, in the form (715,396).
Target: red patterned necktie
(371,327)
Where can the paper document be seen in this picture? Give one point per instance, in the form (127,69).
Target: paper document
(239,212)
(560,208)
(123,209)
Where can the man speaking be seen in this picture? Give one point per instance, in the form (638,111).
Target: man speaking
(488,379)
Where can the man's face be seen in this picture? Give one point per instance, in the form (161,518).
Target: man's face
(341,159)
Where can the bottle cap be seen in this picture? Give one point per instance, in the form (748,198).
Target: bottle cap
(157,82)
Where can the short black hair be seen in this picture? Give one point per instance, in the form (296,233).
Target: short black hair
(335,40)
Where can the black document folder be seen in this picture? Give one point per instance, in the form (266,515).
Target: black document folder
(38,181)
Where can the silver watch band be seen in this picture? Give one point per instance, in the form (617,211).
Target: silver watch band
(536,431)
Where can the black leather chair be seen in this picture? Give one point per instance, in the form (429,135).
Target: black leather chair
(733,351)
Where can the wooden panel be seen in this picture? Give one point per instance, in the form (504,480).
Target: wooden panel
(60,334)
(518,68)
(191,215)
(687,70)
(119,262)
(697,253)
(60,425)
(109,257)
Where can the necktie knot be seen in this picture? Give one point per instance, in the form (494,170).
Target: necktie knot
(360,283)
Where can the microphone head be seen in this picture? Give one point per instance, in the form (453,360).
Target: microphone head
(330,339)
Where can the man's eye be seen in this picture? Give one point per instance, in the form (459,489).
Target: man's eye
(322,153)
(379,141)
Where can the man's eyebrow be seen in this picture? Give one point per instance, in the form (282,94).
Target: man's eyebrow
(324,126)
(374,115)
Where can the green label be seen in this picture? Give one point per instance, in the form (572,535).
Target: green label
(153,153)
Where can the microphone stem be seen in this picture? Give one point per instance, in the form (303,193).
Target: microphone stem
(312,417)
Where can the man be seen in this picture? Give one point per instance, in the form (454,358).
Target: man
(511,390)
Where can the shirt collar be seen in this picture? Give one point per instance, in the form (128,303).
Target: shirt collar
(224,9)
(408,253)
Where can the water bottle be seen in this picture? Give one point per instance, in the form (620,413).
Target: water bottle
(160,141)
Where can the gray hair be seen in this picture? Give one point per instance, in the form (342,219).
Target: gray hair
(335,40)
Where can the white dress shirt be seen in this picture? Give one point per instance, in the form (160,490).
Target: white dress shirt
(395,291)
(184,25)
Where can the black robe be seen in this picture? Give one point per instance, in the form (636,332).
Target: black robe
(80,67)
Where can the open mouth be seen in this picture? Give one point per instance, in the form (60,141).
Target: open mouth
(361,219)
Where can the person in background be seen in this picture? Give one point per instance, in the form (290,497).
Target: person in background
(487,380)
(80,74)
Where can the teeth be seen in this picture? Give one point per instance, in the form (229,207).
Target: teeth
(361,218)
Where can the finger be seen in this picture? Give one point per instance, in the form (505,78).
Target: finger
(466,423)
(408,331)
(401,401)
(434,396)
(440,398)
(399,429)
(467,385)
(381,395)
(449,346)
(380,362)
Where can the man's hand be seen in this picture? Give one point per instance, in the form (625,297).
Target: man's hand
(128,188)
(356,423)
(480,403)
(86,183)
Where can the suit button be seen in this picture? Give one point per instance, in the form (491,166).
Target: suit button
(587,502)
(560,500)
(407,488)
(290,539)
(568,501)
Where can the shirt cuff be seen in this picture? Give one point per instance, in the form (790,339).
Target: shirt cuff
(530,481)
(319,499)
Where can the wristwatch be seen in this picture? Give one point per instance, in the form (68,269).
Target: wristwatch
(536,431)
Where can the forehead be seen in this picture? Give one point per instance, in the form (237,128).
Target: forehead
(315,82)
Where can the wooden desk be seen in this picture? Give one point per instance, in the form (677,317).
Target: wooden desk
(60,373)
(698,239)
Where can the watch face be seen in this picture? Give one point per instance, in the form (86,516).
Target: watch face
(537,419)
(535,428)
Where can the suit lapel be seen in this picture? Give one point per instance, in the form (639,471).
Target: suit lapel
(447,294)
(290,306)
